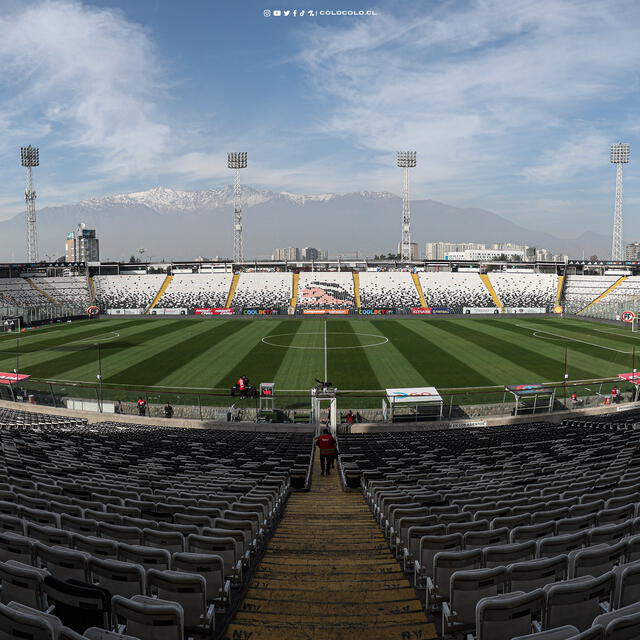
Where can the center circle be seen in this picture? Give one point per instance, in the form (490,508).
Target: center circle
(380,340)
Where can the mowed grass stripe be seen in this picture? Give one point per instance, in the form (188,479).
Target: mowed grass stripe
(85,353)
(299,367)
(391,367)
(536,361)
(220,357)
(612,358)
(34,343)
(431,356)
(588,333)
(151,370)
(263,361)
(592,361)
(348,368)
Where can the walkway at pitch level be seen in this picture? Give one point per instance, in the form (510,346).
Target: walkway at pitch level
(328,574)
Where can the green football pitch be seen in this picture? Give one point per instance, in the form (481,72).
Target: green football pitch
(203,355)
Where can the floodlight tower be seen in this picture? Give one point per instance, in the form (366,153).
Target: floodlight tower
(30,157)
(619,156)
(237,160)
(406,160)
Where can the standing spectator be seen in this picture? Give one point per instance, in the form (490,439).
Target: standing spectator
(574,399)
(142,406)
(168,411)
(615,395)
(242,386)
(327,445)
(350,418)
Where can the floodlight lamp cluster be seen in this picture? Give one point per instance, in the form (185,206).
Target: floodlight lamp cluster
(30,156)
(620,153)
(237,160)
(406,159)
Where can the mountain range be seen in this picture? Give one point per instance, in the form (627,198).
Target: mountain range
(182,225)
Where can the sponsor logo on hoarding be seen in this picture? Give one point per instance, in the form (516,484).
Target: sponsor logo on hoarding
(628,316)
(376,312)
(214,312)
(330,312)
(524,310)
(436,310)
(260,312)
(480,310)
(421,311)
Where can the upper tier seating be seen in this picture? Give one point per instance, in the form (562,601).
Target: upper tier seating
(579,291)
(388,289)
(127,292)
(326,290)
(263,291)
(626,289)
(150,520)
(17,292)
(533,290)
(454,290)
(197,290)
(68,290)
(476,513)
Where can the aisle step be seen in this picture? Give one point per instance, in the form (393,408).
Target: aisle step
(328,574)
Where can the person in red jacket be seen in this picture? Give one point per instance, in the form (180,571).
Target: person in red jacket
(327,445)
(142,406)
(242,386)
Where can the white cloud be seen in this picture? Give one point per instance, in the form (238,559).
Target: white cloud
(570,159)
(476,91)
(84,78)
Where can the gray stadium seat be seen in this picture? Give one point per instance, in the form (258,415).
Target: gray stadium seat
(500,617)
(149,618)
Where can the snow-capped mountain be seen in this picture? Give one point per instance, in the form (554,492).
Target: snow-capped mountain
(180,225)
(163,199)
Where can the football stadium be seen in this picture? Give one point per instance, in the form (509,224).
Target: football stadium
(425,426)
(379,450)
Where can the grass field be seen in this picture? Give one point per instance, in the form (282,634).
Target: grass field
(210,354)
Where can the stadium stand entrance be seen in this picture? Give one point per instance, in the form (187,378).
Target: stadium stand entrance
(328,574)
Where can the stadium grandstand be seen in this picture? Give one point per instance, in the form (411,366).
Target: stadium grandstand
(486,482)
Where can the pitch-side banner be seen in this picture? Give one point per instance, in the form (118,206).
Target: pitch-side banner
(329,312)
(168,312)
(413,395)
(421,311)
(125,312)
(214,312)
(524,310)
(376,312)
(480,310)
(11,378)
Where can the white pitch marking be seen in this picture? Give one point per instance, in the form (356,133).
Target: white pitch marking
(557,335)
(383,340)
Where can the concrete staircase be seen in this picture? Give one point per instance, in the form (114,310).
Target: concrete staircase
(232,290)
(294,290)
(48,296)
(328,574)
(492,292)
(356,288)
(418,284)
(604,294)
(163,288)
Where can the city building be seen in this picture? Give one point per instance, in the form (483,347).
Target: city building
(82,245)
(286,254)
(438,250)
(311,253)
(479,255)
(415,252)
(632,251)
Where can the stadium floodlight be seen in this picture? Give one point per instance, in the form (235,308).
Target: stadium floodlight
(29,158)
(619,156)
(237,160)
(406,160)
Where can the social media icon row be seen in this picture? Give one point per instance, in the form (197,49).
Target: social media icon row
(286,12)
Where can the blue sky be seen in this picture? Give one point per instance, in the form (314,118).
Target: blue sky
(511,104)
